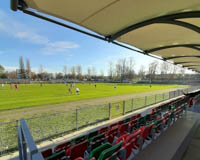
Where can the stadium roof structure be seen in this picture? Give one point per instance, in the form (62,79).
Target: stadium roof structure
(167,30)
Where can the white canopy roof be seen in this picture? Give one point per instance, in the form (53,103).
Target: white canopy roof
(169,29)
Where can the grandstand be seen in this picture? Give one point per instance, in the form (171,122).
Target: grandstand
(166,30)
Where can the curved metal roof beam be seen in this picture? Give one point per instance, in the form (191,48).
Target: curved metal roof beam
(192,46)
(175,57)
(191,14)
(190,65)
(186,62)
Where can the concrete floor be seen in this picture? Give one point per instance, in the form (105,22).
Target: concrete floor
(193,150)
(172,143)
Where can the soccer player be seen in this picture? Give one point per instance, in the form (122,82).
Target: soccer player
(2,85)
(77,91)
(70,91)
(11,86)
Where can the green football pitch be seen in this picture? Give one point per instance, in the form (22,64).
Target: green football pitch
(34,95)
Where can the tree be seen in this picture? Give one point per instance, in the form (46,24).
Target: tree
(21,68)
(152,69)
(94,72)
(28,68)
(73,72)
(164,69)
(102,73)
(79,71)
(1,69)
(65,71)
(89,72)
(141,72)
(110,70)
(130,68)
(12,75)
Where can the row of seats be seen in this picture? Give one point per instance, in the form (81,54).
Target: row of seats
(121,140)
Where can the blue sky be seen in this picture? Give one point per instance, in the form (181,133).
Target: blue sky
(54,46)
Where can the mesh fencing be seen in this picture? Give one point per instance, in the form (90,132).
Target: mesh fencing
(50,126)
(55,125)
(8,137)
(92,114)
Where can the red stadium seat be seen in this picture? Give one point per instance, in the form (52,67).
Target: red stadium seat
(123,129)
(77,150)
(102,130)
(62,146)
(46,153)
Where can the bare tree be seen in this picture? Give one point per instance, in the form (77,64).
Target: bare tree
(1,69)
(164,69)
(94,71)
(28,68)
(131,71)
(102,73)
(65,71)
(152,69)
(79,71)
(141,72)
(110,70)
(89,72)
(41,70)
(73,72)
(21,68)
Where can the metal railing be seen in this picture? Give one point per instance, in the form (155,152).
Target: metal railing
(26,144)
(51,126)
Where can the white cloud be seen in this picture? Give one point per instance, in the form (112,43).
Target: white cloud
(10,68)
(58,46)
(32,37)
(26,33)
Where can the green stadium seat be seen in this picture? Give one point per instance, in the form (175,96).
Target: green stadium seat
(108,152)
(91,134)
(97,137)
(96,152)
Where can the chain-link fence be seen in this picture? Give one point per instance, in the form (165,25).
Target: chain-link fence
(56,125)
(8,137)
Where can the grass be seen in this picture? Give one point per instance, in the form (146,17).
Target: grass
(49,125)
(33,95)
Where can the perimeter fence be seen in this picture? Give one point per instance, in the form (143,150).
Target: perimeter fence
(56,125)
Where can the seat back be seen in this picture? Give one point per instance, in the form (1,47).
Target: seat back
(133,136)
(78,139)
(146,131)
(92,134)
(97,151)
(97,137)
(46,153)
(122,138)
(78,150)
(56,156)
(102,130)
(62,146)
(108,152)
(97,143)
(123,128)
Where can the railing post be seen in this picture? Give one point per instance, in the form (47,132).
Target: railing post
(145,101)
(124,107)
(155,98)
(132,104)
(109,111)
(76,119)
